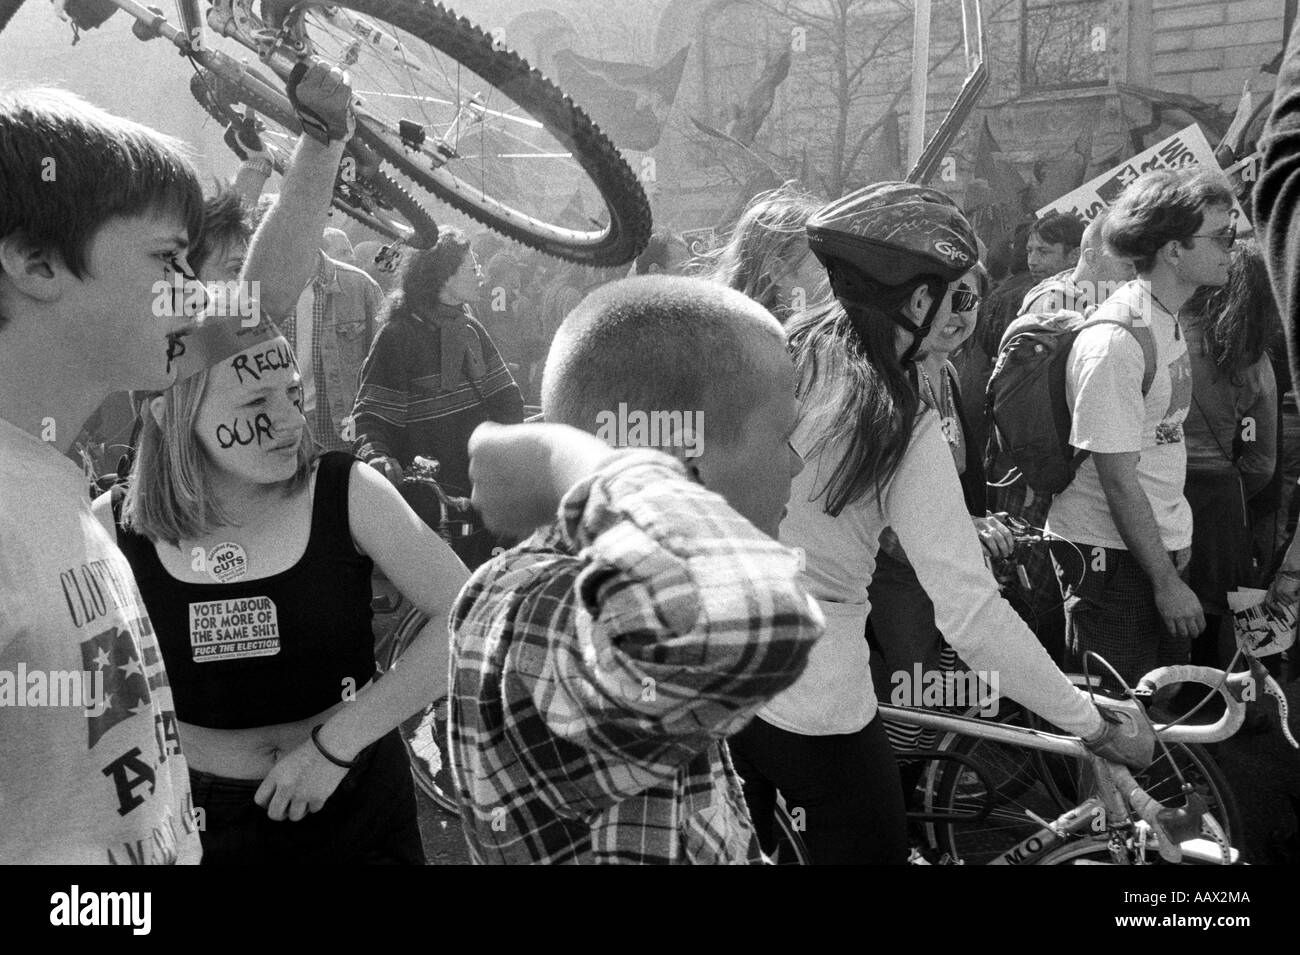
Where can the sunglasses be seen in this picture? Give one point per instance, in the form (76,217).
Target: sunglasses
(964,301)
(1223,240)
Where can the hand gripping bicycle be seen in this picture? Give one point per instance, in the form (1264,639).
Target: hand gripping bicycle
(448,111)
(984,787)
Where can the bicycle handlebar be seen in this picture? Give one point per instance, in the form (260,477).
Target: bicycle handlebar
(1231,686)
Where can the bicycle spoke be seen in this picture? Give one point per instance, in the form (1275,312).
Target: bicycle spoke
(495,147)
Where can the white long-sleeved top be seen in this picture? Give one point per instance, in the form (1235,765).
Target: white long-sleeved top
(924,505)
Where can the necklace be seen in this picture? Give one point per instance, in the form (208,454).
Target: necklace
(1174,315)
(947,415)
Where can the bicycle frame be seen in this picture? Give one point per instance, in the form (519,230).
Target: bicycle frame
(228,18)
(1106,811)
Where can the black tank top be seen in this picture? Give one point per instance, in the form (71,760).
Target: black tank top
(275,650)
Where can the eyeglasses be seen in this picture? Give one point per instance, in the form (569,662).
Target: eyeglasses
(1223,240)
(964,301)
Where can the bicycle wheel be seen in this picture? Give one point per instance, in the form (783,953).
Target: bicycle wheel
(424,734)
(993,786)
(790,848)
(371,197)
(472,123)
(1095,850)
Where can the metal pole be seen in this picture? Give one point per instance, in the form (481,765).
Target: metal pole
(920,76)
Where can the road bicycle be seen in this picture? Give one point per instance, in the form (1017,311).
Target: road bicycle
(1007,793)
(444,111)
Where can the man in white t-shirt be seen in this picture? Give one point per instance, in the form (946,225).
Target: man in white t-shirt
(1125,509)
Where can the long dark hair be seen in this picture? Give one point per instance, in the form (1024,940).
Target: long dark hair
(424,272)
(1240,319)
(850,364)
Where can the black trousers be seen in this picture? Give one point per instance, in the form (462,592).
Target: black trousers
(369,820)
(844,789)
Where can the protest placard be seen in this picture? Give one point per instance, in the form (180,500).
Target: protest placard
(1187,147)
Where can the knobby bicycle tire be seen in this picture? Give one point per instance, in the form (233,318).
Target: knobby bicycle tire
(424,734)
(217,96)
(7,10)
(511,76)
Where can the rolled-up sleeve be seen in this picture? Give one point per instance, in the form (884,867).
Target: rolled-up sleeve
(687,620)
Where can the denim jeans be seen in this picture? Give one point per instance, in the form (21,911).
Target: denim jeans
(370,819)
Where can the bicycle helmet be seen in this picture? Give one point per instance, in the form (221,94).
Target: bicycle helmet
(892,234)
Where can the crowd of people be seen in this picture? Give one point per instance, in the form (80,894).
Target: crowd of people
(644,645)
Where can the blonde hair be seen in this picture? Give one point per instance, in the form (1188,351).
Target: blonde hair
(769,230)
(170,496)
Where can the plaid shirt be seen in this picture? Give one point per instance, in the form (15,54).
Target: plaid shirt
(598,667)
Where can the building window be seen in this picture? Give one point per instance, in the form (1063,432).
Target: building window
(1064,44)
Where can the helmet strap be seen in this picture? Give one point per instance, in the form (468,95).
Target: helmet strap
(937,291)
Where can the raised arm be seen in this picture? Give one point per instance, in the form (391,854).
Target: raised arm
(681,621)
(283,253)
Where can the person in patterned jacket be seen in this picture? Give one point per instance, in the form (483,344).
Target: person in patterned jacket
(433,373)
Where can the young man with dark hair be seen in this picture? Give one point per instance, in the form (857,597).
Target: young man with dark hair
(220,249)
(1086,283)
(95,213)
(1053,244)
(1129,389)
(599,666)
(94,210)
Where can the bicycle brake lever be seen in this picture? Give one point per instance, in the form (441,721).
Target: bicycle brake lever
(1273,689)
(1183,822)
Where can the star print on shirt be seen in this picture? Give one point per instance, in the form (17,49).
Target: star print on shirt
(115,654)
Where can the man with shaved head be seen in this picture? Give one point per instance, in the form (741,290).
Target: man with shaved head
(599,666)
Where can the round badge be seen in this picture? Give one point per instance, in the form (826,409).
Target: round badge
(227,561)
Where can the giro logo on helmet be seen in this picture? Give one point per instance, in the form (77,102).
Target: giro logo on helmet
(944,247)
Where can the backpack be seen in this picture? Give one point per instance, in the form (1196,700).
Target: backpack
(1025,403)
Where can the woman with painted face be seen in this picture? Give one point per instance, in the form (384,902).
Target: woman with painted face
(876,457)
(254,558)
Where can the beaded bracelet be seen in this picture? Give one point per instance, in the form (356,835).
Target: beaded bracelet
(315,738)
(261,166)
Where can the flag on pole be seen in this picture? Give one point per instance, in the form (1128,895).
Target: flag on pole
(630,102)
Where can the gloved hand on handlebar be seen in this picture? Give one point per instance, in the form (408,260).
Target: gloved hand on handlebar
(322,97)
(242,138)
(1125,735)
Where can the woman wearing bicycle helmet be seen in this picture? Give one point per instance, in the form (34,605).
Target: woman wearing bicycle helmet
(894,254)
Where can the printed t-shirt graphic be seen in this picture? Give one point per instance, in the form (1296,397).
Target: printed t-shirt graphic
(107,784)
